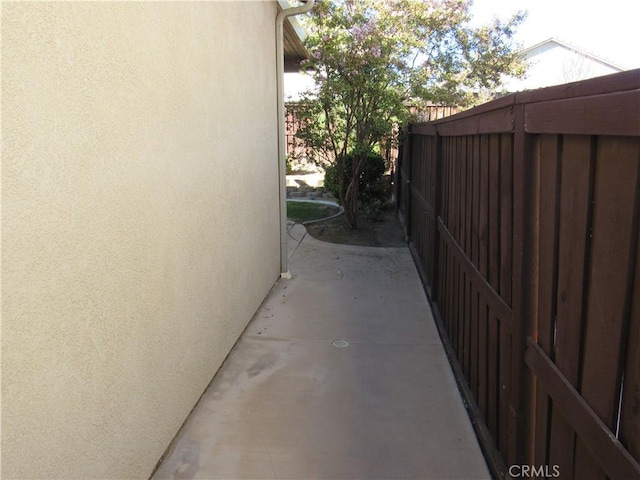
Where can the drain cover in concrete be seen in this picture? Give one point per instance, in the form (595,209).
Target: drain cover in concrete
(340,343)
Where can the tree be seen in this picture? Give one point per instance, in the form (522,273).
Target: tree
(370,57)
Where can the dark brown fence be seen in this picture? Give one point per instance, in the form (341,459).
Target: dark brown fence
(523,217)
(295,147)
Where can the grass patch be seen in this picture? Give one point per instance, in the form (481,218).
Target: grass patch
(305,211)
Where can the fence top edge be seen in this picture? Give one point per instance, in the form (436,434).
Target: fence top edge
(617,82)
(498,104)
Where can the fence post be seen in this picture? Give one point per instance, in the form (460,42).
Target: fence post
(406,186)
(525,243)
(437,206)
(396,170)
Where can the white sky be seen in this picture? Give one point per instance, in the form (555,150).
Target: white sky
(608,29)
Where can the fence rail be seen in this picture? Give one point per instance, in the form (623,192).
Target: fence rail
(523,218)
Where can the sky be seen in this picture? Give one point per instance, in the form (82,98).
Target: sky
(607,29)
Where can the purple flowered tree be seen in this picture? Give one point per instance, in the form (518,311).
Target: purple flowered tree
(369,58)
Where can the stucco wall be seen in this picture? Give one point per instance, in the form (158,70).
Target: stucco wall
(139,221)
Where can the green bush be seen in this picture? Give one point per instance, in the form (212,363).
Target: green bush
(374,187)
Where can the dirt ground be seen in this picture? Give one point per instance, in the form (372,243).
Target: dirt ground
(385,232)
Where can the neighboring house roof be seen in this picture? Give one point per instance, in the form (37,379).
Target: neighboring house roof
(550,42)
(554,62)
(294,36)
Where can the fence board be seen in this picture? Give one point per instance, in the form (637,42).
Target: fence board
(456,188)
(456,329)
(483,207)
(483,262)
(493,384)
(464,320)
(455,292)
(574,216)
(471,343)
(460,322)
(630,415)
(494,212)
(505,390)
(506,217)
(460,178)
(468,221)
(426,129)
(430,240)
(549,149)
(608,114)
(608,299)
(442,292)
(475,203)
(446,203)
(496,121)
(482,357)
(585,465)
(446,291)
(451,265)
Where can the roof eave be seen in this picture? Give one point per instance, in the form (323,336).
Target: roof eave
(294,36)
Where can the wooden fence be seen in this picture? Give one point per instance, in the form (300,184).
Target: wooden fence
(429,113)
(523,218)
(296,148)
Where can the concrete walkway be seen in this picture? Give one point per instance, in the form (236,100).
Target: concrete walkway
(288,404)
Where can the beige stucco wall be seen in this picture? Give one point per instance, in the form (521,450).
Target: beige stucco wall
(139,221)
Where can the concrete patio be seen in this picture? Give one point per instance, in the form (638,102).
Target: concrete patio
(340,375)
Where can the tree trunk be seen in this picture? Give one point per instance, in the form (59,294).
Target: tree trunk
(342,188)
(352,192)
(351,204)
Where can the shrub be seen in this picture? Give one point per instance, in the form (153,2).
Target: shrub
(374,187)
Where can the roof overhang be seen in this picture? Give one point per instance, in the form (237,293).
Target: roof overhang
(294,36)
